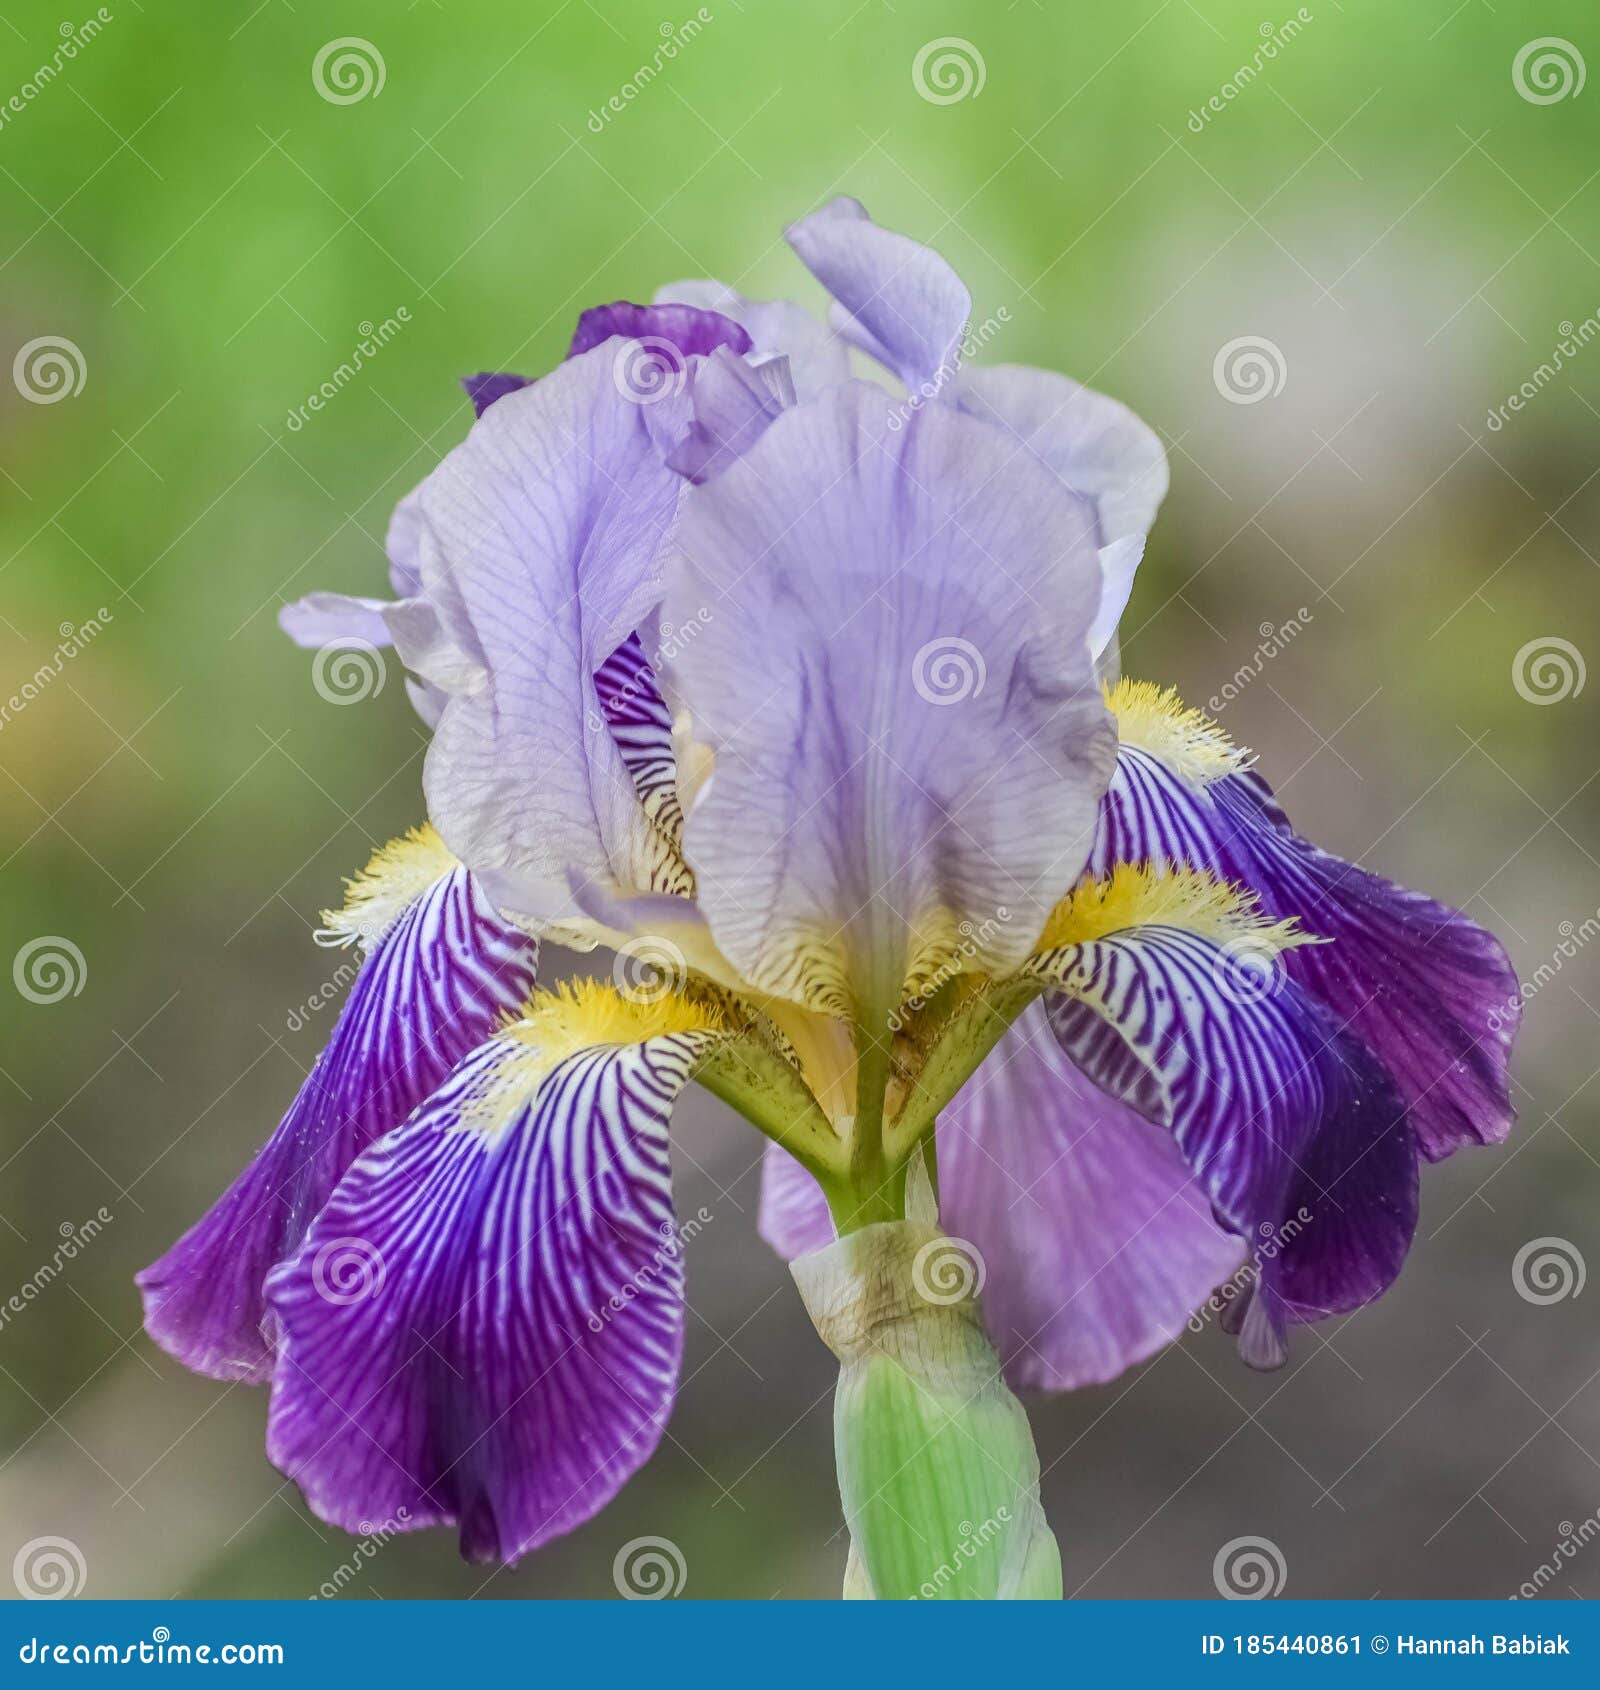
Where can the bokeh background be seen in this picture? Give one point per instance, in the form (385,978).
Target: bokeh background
(1383,204)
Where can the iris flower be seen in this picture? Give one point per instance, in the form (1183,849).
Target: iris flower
(799,692)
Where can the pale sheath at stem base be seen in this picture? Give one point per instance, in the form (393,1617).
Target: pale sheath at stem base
(937,1471)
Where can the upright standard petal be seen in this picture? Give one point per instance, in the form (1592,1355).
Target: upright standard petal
(1433,994)
(1098,1243)
(896,299)
(908,749)
(544,529)
(1167,994)
(485,1325)
(441,970)
(777,328)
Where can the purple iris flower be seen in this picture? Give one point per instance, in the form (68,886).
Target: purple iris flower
(798,691)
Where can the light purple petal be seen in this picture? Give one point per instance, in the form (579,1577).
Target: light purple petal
(897,691)
(321,619)
(733,403)
(692,331)
(899,300)
(436,983)
(794,1217)
(1433,994)
(1294,1130)
(1097,1242)
(816,357)
(485,1325)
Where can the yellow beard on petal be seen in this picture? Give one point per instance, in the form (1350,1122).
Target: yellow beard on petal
(397,874)
(1155,719)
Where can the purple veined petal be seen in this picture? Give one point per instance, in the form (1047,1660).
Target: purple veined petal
(815,356)
(1294,1129)
(543,533)
(1098,1244)
(733,403)
(794,1217)
(439,977)
(487,386)
(640,723)
(485,1325)
(321,619)
(694,332)
(893,679)
(1432,993)
(898,300)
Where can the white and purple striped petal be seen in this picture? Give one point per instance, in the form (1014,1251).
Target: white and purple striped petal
(485,1325)
(1294,1130)
(1432,993)
(436,982)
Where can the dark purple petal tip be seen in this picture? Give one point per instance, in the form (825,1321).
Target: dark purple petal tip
(487,386)
(688,328)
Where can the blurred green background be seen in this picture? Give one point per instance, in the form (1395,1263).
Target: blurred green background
(1382,204)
